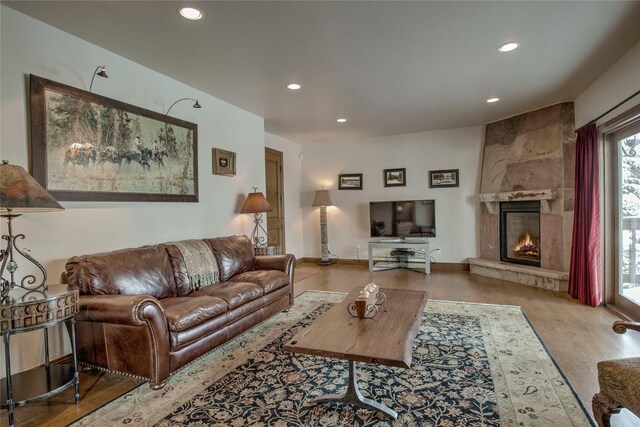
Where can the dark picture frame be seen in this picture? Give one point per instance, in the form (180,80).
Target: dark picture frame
(87,147)
(444,178)
(350,181)
(395,177)
(224,162)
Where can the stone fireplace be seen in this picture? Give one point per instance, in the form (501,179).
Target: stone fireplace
(528,163)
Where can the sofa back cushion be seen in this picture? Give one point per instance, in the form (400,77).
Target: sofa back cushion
(234,254)
(140,271)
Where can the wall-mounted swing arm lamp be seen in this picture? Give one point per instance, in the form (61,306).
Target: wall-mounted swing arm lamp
(323,200)
(196,105)
(101,71)
(20,193)
(256,204)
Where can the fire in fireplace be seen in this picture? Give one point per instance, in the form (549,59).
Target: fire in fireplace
(520,232)
(526,247)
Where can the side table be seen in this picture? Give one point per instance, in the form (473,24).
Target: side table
(25,311)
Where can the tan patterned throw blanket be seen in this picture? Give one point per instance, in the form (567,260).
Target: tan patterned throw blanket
(202,266)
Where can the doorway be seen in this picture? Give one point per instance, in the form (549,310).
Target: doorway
(626,148)
(621,220)
(274,179)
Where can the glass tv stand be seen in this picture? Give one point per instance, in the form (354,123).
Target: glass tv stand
(401,250)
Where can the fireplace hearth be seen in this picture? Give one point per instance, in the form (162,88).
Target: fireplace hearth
(520,232)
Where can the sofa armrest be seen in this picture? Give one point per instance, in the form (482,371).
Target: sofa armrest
(276,262)
(134,310)
(109,324)
(621,326)
(285,263)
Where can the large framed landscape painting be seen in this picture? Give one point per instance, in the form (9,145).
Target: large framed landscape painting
(87,147)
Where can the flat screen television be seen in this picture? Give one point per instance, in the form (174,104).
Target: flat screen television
(403,218)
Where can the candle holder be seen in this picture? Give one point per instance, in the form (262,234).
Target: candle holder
(366,304)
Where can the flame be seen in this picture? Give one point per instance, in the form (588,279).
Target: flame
(525,241)
(526,246)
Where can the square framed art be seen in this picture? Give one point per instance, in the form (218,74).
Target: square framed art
(395,177)
(224,162)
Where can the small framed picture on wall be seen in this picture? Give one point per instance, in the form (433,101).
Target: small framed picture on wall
(395,177)
(224,162)
(444,178)
(350,181)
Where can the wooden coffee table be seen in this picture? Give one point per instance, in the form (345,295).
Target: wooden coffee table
(386,339)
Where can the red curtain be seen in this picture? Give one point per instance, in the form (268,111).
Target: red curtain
(584,276)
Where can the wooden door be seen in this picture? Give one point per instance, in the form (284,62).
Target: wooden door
(275,196)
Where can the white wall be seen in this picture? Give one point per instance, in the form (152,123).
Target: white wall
(292,188)
(348,220)
(620,81)
(31,47)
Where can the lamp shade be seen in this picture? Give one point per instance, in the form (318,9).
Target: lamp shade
(255,203)
(322,198)
(21,193)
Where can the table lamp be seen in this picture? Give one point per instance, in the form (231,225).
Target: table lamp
(323,200)
(20,193)
(256,204)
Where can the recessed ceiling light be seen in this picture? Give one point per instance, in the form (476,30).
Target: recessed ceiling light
(341,120)
(190,13)
(293,86)
(492,100)
(508,47)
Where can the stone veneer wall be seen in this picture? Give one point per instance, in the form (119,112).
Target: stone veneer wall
(532,151)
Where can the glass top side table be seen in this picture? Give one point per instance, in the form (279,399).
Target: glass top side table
(24,311)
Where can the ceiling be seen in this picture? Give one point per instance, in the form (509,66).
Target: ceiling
(389,67)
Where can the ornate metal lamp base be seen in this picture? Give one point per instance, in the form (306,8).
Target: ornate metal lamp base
(258,240)
(9,264)
(353,396)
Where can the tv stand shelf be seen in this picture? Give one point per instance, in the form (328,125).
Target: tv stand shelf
(413,245)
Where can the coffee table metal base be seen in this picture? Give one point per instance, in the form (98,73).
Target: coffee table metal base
(353,396)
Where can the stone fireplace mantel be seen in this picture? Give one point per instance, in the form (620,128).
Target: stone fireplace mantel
(491,200)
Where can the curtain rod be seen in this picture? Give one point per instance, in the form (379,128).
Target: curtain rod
(608,111)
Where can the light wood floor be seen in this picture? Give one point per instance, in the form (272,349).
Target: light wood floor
(576,335)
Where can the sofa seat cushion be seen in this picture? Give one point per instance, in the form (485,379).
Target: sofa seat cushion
(269,280)
(620,380)
(185,312)
(234,293)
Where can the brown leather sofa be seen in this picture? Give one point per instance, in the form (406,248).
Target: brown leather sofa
(139,315)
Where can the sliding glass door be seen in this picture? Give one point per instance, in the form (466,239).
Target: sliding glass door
(627,287)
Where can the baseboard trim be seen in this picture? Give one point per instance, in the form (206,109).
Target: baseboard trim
(435,266)
(339,261)
(621,314)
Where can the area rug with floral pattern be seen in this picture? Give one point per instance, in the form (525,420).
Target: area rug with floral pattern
(473,365)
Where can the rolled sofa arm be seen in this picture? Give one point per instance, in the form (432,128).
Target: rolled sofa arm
(285,263)
(276,262)
(120,326)
(133,310)
(621,326)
